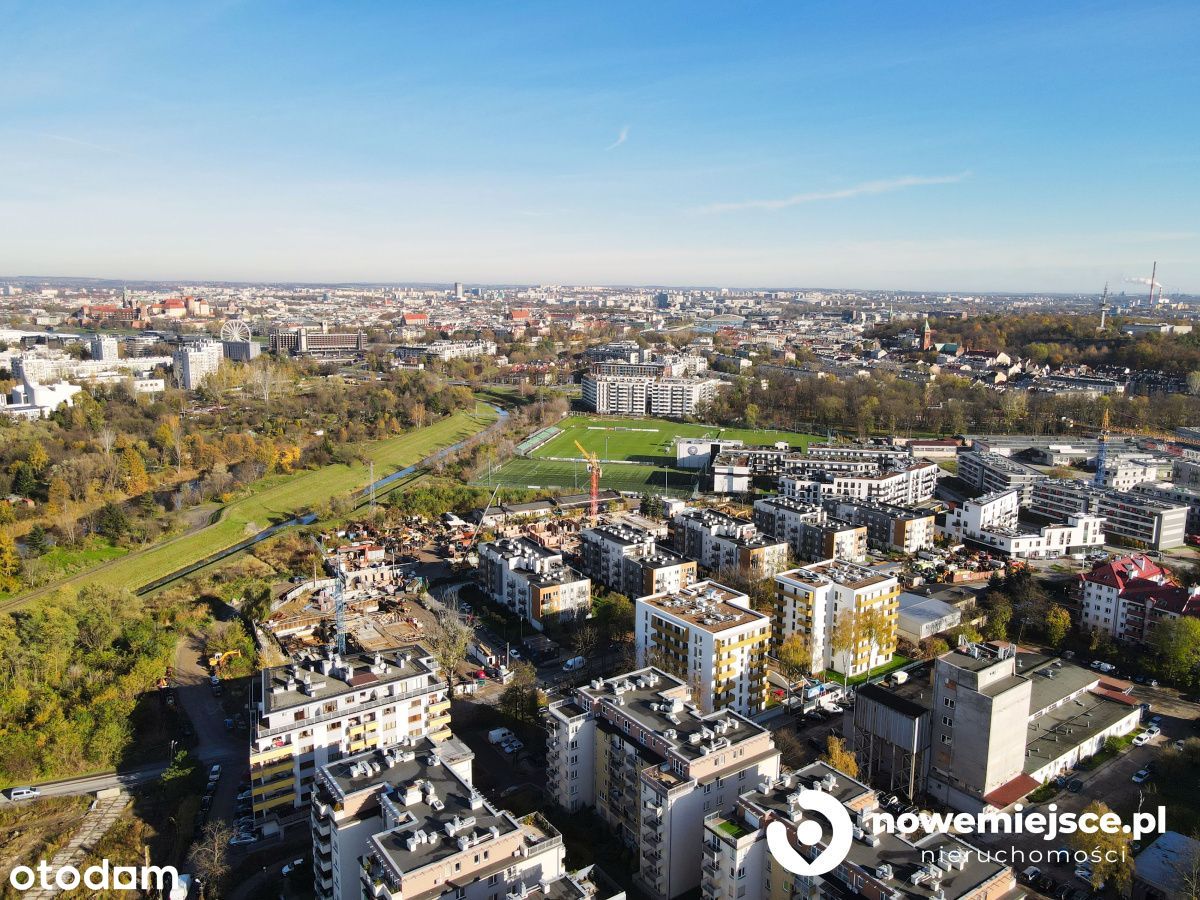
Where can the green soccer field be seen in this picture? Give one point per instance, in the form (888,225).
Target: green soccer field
(545,473)
(650,441)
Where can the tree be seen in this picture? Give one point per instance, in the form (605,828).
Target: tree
(933,647)
(844,639)
(1058,623)
(208,855)
(795,655)
(10,562)
(112,522)
(585,639)
(133,472)
(998,618)
(37,458)
(838,757)
(1113,864)
(35,541)
(876,629)
(522,699)
(448,642)
(1176,642)
(1193,383)
(24,480)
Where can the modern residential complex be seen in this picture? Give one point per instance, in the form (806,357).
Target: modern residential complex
(821,600)
(718,541)
(809,531)
(533,581)
(709,636)
(627,559)
(669,397)
(319,709)
(653,764)
(196,361)
(1135,518)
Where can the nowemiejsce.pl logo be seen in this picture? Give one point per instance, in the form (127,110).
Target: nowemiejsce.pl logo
(103,876)
(1050,825)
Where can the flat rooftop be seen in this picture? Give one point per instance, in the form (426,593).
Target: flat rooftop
(659,703)
(1059,731)
(705,605)
(848,574)
(323,676)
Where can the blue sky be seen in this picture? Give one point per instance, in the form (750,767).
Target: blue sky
(1010,146)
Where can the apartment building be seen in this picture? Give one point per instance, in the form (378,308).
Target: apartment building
(717,540)
(628,560)
(737,862)
(813,600)
(1127,597)
(321,708)
(1126,473)
(306,341)
(103,347)
(890,528)
(444,351)
(653,764)
(667,396)
(708,635)
(990,744)
(991,522)
(809,531)
(1136,517)
(408,823)
(991,472)
(533,581)
(1174,495)
(196,361)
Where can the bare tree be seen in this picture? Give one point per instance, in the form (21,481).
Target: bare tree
(108,437)
(209,856)
(448,642)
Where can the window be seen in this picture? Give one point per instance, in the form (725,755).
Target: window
(947,721)
(946,739)
(949,701)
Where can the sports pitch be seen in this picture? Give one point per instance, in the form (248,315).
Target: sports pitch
(641,454)
(649,441)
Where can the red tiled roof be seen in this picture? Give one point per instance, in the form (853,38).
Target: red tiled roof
(1119,572)
(1010,793)
(1112,693)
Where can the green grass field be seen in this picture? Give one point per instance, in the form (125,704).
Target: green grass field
(281,497)
(526,473)
(650,441)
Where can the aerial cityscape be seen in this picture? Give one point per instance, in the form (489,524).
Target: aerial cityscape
(671,452)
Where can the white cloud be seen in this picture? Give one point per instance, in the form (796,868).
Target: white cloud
(884,186)
(622,137)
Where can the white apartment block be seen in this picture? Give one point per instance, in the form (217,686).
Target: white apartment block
(654,765)
(991,521)
(1130,516)
(708,635)
(737,862)
(717,540)
(103,347)
(46,366)
(904,487)
(809,531)
(315,711)
(196,361)
(628,560)
(813,600)
(668,397)
(533,581)
(991,472)
(445,351)
(408,823)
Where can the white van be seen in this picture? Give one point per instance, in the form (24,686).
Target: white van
(575,662)
(23,793)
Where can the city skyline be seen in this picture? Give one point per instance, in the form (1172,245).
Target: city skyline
(1000,151)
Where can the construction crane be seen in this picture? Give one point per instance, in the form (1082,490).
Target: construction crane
(339,600)
(593,467)
(1101,451)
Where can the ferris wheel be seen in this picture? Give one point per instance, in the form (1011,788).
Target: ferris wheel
(235,330)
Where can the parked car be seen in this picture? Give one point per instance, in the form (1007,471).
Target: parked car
(575,662)
(1074,785)
(292,866)
(1142,739)
(23,793)
(1140,775)
(1154,731)
(215,772)
(1030,874)
(242,838)
(1178,745)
